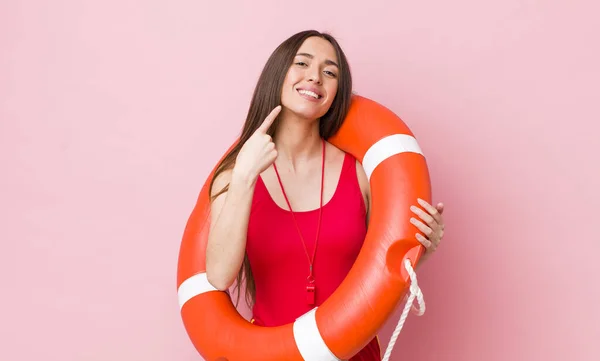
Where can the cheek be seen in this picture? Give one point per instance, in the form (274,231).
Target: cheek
(331,92)
(290,80)
(292,77)
(285,89)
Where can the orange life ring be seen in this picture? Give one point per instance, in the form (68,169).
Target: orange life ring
(370,293)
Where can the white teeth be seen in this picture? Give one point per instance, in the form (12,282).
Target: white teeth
(308,92)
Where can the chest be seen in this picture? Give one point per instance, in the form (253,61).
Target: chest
(303,188)
(278,240)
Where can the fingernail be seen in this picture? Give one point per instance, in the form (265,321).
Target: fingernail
(413,208)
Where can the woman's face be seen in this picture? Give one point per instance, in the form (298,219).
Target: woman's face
(311,82)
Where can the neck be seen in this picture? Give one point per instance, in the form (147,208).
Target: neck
(297,141)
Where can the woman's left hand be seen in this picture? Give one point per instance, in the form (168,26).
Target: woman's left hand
(431,223)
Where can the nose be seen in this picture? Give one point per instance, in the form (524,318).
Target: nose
(314,75)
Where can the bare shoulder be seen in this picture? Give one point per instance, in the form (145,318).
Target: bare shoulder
(221,181)
(363,181)
(216,205)
(335,153)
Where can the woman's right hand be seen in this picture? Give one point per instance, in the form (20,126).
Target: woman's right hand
(258,153)
(230,213)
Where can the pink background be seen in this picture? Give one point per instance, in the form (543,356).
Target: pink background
(113,112)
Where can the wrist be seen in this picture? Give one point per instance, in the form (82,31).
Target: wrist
(242,179)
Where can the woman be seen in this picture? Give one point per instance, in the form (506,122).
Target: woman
(289,211)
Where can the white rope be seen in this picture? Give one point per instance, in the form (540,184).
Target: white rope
(415,291)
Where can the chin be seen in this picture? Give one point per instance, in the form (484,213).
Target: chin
(307,111)
(311,114)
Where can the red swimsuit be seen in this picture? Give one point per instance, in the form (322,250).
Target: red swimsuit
(278,260)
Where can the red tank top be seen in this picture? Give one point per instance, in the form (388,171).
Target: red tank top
(278,259)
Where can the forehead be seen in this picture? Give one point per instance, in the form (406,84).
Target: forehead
(319,48)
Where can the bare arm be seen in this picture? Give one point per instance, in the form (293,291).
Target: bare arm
(365,188)
(230,213)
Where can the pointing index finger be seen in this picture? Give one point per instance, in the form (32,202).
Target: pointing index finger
(264,127)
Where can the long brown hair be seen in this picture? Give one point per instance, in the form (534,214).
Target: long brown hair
(267,95)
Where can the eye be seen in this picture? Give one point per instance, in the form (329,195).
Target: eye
(301,63)
(330,73)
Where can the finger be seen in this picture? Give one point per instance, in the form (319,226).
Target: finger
(421,226)
(440,207)
(264,127)
(424,241)
(431,209)
(272,156)
(423,215)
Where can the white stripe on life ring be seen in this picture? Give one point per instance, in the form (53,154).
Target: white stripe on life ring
(387,147)
(192,287)
(309,341)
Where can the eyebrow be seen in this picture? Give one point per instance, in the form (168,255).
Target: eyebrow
(327,61)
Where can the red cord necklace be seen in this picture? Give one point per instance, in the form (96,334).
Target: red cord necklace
(310,287)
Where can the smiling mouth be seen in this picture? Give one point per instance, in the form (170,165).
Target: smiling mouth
(309,93)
